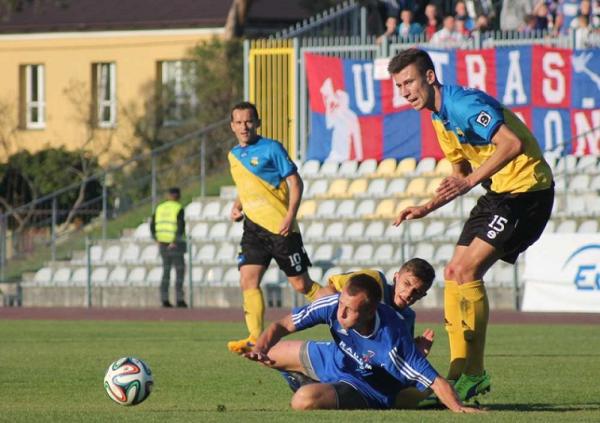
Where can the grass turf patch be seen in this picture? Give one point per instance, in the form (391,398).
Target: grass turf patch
(53,371)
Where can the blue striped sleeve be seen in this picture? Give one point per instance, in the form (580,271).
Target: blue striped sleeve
(315,313)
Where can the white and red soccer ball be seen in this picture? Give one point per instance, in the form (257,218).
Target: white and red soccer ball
(128,381)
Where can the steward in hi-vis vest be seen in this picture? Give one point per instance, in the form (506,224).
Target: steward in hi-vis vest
(168,229)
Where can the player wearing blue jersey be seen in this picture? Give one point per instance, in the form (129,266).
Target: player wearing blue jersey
(372,356)
(269,193)
(486,143)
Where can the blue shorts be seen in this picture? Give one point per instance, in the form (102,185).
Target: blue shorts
(325,370)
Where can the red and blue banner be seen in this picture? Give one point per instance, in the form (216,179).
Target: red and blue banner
(355,116)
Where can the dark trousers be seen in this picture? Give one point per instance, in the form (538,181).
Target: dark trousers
(172,257)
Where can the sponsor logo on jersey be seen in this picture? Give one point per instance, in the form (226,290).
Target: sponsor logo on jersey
(254,161)
(483,118)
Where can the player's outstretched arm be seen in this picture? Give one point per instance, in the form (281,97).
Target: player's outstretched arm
(448,396)
(270,337)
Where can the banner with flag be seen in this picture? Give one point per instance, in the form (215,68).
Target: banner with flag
(357,112)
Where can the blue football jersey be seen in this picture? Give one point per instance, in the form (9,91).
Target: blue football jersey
(387,359)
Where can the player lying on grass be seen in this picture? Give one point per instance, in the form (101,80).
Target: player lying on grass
(411,283)
(372,356)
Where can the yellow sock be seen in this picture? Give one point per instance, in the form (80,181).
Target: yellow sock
(454,327)
(311,295)
(476,312)
(254,311)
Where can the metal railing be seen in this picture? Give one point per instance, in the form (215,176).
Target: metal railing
(110,193)
(345,19)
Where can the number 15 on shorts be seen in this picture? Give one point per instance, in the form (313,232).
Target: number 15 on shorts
(497,225)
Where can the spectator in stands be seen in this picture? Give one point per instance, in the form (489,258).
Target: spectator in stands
(460,11)
(448,33)
(488,144)
(389,11)
(582,31)
(482,25)
(513,12)
(461,28)
(567,11)
(433,20)
(269,193)
(407,28)
(168,229)
(371,360)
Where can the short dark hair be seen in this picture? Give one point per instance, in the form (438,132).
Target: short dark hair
(421,269)
(361,282)
(244,105)
(408,57)
(175,191)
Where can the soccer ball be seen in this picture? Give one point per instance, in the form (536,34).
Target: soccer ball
(128,381)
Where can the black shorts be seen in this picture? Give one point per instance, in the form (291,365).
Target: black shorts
(259,246)
(509,222)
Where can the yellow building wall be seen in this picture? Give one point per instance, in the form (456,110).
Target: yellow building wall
(68,60)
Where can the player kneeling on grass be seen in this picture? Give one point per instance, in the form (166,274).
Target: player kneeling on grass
(372,356)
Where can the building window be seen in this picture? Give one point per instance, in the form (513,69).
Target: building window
(105,94)
(178,91)
(33,93)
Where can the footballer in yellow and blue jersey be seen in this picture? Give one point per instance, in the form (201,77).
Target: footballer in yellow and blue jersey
(486,143)
(269,194)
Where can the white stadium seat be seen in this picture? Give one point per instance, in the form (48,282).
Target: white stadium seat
(355,230)
(363,254)
(315,231)
(589,226)
(112,254)
(218,231)
(155,276)
(345,209)
(199,231)
(137,276)
(62,276)
(329,170)
(100,276)
(206,254)
(425,167)
(323,253)
(43,276)
(375,230)
(131,253)
(310,169)
(376,188)
(142,232)
(118,276)
(365,208)
(150,254)
(193,211)
(96,252)
(212,210)
(227,253)
(367,168)
(79,277)
(348,169)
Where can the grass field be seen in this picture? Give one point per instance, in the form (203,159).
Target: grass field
(53,371)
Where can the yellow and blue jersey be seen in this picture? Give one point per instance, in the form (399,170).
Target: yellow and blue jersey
(465,125)
(259,171)
(407,314)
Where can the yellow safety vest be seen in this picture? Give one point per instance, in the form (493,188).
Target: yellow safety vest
(165,221)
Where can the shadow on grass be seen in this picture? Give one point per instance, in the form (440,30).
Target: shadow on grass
(557,408)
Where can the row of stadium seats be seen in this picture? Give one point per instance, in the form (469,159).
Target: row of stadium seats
(338,242)
(428,166)
(215,276)
(342,198)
